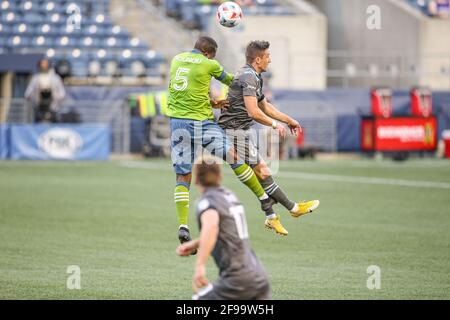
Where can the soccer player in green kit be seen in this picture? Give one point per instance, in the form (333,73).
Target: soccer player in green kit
(192,126)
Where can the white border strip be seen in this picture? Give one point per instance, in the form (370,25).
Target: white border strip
(320,177)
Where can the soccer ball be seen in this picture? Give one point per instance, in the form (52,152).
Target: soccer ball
(229,14)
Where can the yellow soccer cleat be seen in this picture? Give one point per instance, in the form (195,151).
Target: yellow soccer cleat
(276,225)
(305,207)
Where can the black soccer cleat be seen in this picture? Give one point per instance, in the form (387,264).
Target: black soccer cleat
(185,236)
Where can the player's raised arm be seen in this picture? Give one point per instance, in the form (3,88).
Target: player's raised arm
(253,110)
(220,74)
(271,111)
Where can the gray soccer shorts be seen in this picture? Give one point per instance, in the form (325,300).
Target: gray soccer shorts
(235,289)
(245,143)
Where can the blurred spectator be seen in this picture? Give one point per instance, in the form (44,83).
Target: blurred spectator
(439,8)
(45,92)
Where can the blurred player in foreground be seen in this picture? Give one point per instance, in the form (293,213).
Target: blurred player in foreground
(224,235)
(248,104)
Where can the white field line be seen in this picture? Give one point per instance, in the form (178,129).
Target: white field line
(365,180)
(319,176)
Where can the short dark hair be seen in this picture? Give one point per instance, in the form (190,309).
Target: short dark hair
(208,171)
(255,49)
(206,44)
(41,61)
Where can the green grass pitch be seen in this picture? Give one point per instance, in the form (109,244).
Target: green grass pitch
(117,221)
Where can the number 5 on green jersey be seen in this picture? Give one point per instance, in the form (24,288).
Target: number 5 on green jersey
(181,76)
(190,78)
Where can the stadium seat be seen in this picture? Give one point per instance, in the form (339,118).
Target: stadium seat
(203,14)
(42,41)
(150,58)
(87,41)
(22,28)
(110,68)
(138,68)
(136,44)
(90,29)
(79,64)
(4,29)
(94,68)
(172,7)
(54,18)
(31,17)
(17,42)
(7,5)
(9,17)
(65,41)
(45,29)
(187,8)
(26,5)
(133,66)
(47,7)
(100,54)
(422,5)
(70,31)
(117,31)
(98,47)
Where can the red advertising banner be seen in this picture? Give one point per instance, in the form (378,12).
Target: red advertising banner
(399,134)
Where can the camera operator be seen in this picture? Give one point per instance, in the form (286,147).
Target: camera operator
(45,91)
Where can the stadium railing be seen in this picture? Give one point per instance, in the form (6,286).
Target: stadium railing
(398,70)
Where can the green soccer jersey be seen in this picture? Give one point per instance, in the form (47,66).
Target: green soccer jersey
(190,77)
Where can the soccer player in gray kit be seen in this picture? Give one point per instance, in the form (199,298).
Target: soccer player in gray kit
(224,235)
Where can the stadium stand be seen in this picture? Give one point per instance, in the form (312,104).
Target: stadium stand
(419,4)
(295,64)
(433,8)
(195,14)
(80,32)
(410,48)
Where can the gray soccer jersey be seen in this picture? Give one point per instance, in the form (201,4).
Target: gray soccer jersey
(246,82)
(242,275)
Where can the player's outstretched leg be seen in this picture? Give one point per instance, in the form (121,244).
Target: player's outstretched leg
(278,195)
(243,172)
(247,176)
